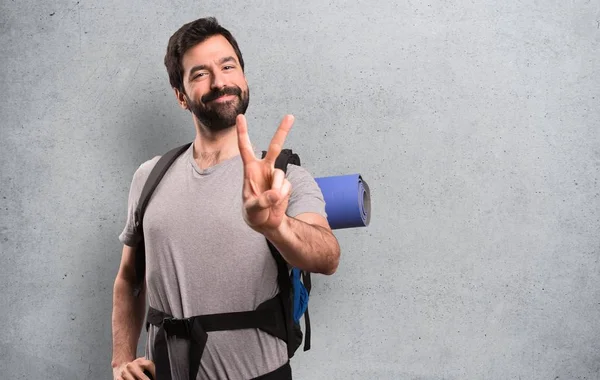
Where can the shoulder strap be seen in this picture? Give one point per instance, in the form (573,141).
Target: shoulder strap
(156,175)
(288,157)
(285,157)
(308,285)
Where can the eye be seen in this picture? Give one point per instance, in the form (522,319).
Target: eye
(199,75)
(228,67)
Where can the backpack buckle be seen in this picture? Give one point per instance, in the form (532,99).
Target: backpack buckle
(177,327)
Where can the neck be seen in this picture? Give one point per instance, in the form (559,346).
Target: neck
(211,148)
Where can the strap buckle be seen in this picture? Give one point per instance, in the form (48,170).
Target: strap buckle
(180,328)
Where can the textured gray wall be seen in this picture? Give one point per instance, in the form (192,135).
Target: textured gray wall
(475,124)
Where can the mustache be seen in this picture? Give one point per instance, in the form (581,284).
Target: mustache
(222,92)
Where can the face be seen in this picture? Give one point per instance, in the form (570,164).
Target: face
(216,90)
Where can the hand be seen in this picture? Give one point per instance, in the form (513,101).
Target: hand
(266,190)
(135,370)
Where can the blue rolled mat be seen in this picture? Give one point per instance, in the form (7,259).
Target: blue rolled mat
(347,200)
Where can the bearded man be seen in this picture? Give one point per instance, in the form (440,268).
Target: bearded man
(208,228)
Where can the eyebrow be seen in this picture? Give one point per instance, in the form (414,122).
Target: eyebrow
(203,67)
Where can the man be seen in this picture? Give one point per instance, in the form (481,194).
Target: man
(208,222)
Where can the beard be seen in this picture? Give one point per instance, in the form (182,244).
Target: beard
(220,116)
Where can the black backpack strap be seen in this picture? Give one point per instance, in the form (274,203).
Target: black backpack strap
(288,157)
(308,285)
(285,289)
(156,175)
(268,317)
(285,157)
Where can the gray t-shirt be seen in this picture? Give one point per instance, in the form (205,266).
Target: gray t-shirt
(202,258)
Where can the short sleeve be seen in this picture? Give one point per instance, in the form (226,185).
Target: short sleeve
(306,194)
(128,236)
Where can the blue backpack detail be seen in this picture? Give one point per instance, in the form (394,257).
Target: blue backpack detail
(300,295)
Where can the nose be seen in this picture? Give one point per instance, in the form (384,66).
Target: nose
(217,82)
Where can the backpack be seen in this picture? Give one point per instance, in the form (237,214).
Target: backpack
(294,285)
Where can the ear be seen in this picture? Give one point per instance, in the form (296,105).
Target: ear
(181,99)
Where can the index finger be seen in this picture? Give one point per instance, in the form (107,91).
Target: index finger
(278,139)
(243,139)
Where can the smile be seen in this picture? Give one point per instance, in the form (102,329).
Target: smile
(223,98)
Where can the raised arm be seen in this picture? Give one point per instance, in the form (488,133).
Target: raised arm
(305,241)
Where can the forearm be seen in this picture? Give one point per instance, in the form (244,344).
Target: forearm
(127,319)
(306,246)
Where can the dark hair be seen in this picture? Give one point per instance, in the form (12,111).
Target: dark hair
(188,36)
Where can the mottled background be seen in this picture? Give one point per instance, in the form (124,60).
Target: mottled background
(474,123)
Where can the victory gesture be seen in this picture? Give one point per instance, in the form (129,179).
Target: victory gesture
(266,190)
